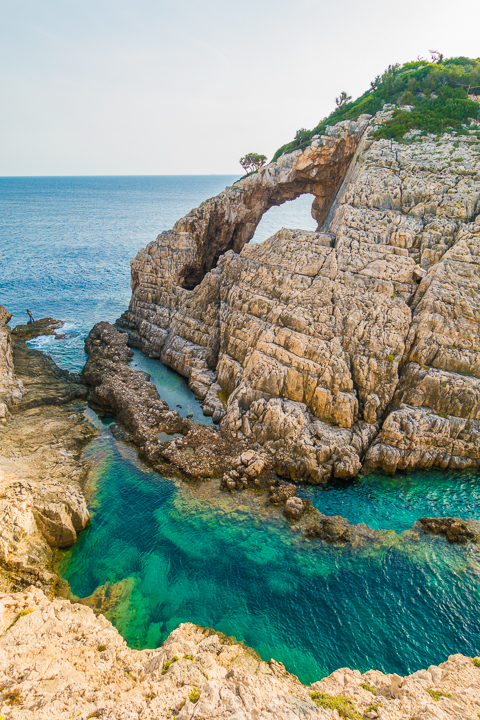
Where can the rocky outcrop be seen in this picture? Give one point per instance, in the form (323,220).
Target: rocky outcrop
(11,389)
(116,388)
(41,503)
(456,530)
(354,345)
(58,659)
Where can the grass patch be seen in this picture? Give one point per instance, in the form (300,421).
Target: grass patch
(195,695)
(188,657)
(437,694)
(20,614)
(373,708)
(476,662)
(13,697)
(168,663)
(368,687)
(343,705)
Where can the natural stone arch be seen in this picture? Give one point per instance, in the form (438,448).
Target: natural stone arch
(184,255)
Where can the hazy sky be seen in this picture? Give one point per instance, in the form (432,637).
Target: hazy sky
(119,87)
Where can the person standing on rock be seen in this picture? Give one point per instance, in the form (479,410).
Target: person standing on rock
(30,316)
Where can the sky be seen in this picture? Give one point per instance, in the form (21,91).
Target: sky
(178,87)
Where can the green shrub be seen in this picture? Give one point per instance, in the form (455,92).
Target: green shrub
(101,648)
(343,705)
(368,687)
(168,663)
(437,694)
(438,93)
(476,662)
(195,695)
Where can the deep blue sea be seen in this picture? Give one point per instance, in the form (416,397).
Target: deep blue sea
(189,552)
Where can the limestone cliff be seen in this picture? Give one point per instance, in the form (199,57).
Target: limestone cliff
(58,661)
(356,344)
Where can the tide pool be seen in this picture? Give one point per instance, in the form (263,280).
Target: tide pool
(192,553)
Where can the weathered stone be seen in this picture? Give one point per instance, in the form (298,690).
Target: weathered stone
(294,508)
(41,504)
(314,340)
(59,659)
(456,530)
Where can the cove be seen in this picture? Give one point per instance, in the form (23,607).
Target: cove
(192,553)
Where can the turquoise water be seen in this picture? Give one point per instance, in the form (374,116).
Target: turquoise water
(172,387)
(395,502)
(184,552)
(194,554)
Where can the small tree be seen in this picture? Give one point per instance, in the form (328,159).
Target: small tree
(342,99)
(253,162)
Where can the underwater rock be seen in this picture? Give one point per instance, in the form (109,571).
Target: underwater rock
(454,529)
(336,529)
(83,667)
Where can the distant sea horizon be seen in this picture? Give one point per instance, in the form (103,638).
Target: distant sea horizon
(66,242)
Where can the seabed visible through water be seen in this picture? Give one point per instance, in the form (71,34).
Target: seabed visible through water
(189,552)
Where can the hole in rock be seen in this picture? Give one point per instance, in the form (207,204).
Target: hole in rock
(293,214)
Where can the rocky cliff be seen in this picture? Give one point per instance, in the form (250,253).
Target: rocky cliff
(59,660)
(353,345)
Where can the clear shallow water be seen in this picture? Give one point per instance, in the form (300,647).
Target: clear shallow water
(188,553)
(194,554)
(396,502)
(172,387)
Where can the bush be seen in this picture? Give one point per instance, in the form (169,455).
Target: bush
(438,92)
(343,705)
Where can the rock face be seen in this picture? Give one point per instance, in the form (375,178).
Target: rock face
(357,344)
(58,659)
(116,388)
(11,389)
(456,530)
(41,503)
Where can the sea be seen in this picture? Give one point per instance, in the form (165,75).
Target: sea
(178,552)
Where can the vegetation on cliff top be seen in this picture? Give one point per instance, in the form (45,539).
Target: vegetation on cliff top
(436,94)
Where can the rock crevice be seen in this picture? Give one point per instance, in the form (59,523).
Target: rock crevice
(331,349)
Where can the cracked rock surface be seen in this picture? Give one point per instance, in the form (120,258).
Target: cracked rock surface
(354,345)
(41,502)
(58,659)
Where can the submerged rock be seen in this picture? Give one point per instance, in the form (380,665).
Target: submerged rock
(336,529)
(454,529)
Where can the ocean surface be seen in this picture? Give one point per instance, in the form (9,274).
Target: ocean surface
(187,552)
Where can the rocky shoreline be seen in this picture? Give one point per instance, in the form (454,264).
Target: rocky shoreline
(317,354)
(43,432)
(59,660)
